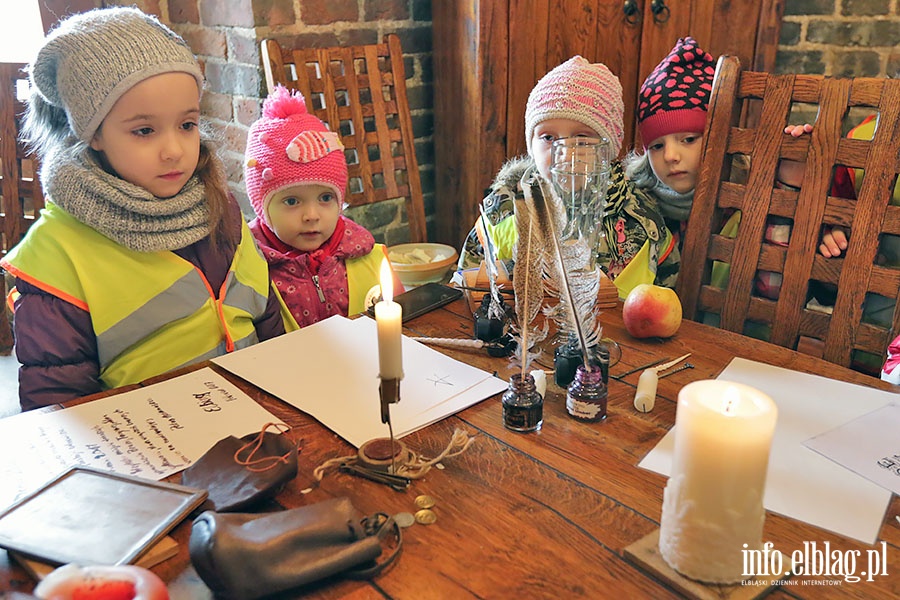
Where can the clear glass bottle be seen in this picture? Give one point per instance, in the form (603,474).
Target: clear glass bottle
(586,397)
(523,406)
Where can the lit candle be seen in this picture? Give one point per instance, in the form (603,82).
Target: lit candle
(389,321)
(713,501)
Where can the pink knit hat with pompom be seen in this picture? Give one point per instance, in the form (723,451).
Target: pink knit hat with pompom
(286,147)
(581,91)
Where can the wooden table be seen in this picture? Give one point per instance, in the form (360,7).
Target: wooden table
(539,515)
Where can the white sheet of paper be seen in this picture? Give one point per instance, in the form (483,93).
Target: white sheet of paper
(330,371)
(869,446)
(151,432)
(803,484)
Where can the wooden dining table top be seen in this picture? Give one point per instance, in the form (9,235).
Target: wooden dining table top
(546,514)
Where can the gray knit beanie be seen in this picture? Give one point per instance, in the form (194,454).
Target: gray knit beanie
(91,59)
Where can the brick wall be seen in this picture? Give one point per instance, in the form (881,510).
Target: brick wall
(225,34)
(840,37)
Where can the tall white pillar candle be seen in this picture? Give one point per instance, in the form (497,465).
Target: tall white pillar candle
(713,501)
(389,322)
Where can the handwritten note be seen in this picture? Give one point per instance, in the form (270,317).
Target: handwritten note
(152,432)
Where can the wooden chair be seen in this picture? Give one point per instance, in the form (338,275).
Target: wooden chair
(21,196)
(838,337)
(360,92)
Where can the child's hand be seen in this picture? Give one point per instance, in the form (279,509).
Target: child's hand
(790,172)
(798,130)
(833,242)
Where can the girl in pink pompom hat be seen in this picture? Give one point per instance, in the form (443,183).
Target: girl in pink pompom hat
(296,175)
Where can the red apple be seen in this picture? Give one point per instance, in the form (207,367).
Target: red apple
(652,311)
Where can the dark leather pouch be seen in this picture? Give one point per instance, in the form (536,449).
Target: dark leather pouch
(233,481)
(248,556)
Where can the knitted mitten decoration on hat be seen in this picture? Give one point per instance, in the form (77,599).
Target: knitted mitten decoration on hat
(675,96)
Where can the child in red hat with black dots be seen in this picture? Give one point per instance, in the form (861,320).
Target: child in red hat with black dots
(671,114)
(672,109)
(295,172)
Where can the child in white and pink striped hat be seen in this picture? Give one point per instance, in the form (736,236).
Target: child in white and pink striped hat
(322,263)
(581,99)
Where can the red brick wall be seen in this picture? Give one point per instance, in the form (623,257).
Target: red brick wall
(225,34)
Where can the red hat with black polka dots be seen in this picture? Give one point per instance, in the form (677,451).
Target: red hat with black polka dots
(675,96)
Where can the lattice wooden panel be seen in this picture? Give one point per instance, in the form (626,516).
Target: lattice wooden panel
(860,275)
(360,92)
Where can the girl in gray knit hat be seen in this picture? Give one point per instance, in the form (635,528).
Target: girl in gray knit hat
(141,261)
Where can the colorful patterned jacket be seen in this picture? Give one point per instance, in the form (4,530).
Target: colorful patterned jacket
(638,247)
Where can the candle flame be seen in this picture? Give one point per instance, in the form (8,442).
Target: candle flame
(387,281)
(731,397)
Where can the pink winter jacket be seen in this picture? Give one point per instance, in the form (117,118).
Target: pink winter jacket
(292,276)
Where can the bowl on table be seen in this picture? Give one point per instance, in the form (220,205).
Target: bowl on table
(422,262)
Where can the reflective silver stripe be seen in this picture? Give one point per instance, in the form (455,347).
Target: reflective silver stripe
(246,341)
(244,297)
(217,351)
(181,299)
(221,349)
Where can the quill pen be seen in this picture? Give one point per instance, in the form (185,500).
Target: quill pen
(527,284)
(495,310)
(579,310)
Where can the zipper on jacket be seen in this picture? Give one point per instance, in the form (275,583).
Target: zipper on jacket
(315,279)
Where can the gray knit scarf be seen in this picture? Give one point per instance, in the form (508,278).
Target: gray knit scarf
(672,204)
(125,213)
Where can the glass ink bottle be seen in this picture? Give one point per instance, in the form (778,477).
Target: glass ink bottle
(523,406)
(566,359)
(587,395)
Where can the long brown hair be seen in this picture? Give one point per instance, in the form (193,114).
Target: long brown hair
(224,223)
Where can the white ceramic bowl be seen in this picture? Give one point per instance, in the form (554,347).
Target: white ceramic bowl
(419,263)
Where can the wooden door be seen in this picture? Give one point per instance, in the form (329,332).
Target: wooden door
(545,33)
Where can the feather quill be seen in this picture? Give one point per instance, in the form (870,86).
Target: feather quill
(495,309)
(527,285)
(577,293)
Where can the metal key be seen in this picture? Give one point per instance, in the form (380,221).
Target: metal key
(681,368)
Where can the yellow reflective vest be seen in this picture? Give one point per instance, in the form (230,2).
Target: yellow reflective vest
(362,274)
(151,311)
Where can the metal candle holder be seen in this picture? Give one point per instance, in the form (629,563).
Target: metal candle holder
(389,393)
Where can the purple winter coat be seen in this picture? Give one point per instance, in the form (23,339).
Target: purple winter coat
(57,347)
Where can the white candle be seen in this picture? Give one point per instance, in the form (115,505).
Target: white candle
(713,501)
(389,321)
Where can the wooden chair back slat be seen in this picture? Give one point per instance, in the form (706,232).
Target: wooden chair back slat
(21,196)
(869,216)
(360,92)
